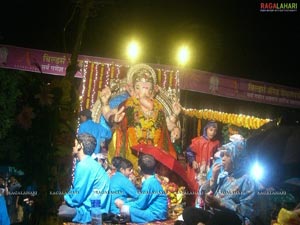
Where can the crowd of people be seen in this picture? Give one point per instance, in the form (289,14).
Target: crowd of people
(124,157)
(117,193)
(140,119)
(16,201)
(121,156)
(216,174)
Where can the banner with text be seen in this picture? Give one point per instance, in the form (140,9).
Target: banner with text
(238,88)
(56,63)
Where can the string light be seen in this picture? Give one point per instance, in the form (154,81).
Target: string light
(88,99)
(107,74)
(85,66)
(100,80)
(93,98)
(164,79)
(177,84)
(118,72)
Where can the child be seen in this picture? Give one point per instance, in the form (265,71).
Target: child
(112,167)
(152,203)
(120,185)
(200,153)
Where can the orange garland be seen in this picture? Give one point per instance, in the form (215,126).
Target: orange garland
(199,127)
(239,120)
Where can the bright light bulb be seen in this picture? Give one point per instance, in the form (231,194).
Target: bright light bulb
(183,55)
(133,50)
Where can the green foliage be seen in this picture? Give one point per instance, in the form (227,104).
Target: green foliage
(37,122)
(9,93)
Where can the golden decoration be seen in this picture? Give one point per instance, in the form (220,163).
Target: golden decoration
(239,120)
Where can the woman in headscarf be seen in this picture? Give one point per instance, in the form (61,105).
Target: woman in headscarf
(230,195)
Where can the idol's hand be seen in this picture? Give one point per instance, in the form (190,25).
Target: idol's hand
(175,134)
(176,107)
(118,117)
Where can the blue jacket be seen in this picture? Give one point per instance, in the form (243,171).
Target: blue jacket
(101,131)
(89,176)
(152,203)
(4,218)
(122,188)
(237,190)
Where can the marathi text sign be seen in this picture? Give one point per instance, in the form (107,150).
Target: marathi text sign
(41,61)
(238,88)
(33,60)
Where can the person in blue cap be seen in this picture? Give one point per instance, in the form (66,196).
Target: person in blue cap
(231,195)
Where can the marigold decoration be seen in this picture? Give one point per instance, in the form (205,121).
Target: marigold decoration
(239,120)
(288,217)
(199,127)
(175,196)
(147,127)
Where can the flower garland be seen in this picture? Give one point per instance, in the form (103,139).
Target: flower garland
(146,126)
(239,120)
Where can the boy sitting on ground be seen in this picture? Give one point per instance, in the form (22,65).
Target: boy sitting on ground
(152,203)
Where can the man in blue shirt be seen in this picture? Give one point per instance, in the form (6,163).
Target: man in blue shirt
(89,178)
(101,131)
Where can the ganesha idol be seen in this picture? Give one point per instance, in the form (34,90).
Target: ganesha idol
(145,115)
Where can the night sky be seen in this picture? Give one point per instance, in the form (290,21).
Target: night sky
(227,37)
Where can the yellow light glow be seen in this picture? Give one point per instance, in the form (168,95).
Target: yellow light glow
(133,50)
(183,55)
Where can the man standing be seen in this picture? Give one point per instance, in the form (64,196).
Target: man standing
(101,131)
(13,199)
